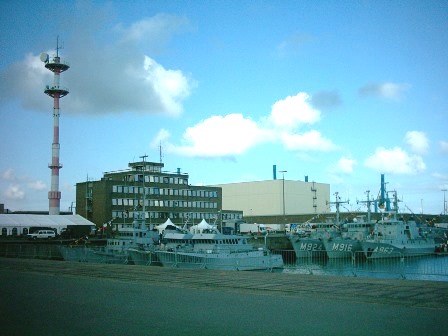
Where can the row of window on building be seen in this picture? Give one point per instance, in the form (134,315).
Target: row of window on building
(164,191)
(176,215)
(157,179)
(164,203)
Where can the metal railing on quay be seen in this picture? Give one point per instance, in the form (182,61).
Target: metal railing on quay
(397,265)
(212,261)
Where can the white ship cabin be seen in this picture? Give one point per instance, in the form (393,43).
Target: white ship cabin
(207,241)
(358,223)
(220,242)
(392,229)
(128,237)
(318,227)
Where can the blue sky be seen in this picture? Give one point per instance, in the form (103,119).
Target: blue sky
(337,91)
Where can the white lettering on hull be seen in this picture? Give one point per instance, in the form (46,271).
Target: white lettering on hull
(342,247)
(383,250)
(311,247)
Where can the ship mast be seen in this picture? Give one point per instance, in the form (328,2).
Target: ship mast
(337,203)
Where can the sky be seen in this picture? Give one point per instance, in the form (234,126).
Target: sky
(339,91)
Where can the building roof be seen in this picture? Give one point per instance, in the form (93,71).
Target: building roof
(17,220)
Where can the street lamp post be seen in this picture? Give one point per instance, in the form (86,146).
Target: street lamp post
(444,201)
(283,191)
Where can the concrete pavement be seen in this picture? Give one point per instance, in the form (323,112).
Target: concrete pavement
(42,297)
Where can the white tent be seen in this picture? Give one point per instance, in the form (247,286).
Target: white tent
(199,228)
(168,225)
(18,224)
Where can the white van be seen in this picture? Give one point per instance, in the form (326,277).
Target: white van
(42,234)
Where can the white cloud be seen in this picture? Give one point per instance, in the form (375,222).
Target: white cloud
(37,185)
(8,175)
(234,134)
(309,141)
(440,176)
(161,136)
(395,161)
(127,80)
(220,136)
(21,80)
(14,192)
(418,142)
(336,172)
(442,179)
(444,146)
(292,44)
(326,99)
(385,90)
(294,111)
(170,85)
(160,27)
(307,157)
(345,165)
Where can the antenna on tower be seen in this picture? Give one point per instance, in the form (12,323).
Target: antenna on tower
(160,152)
(58,47)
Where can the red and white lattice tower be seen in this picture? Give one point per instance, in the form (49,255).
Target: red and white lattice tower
(55,91)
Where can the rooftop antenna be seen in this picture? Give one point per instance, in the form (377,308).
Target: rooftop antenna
(160,152)
(55,91)
(143,157)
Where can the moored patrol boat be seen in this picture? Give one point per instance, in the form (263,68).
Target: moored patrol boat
(308,240)
(392,237)
(208,248)
(348,242)
(144,255)
(116,250)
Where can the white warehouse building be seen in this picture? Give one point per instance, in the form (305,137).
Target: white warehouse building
(276,197)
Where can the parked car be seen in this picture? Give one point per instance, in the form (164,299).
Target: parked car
(42,234)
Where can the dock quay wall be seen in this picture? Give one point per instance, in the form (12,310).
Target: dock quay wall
(48,249)
(413,293)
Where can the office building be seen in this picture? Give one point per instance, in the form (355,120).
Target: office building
(145,186)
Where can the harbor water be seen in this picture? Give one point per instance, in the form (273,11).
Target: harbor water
(429,267)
